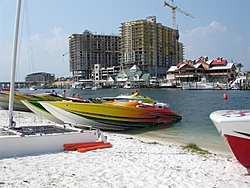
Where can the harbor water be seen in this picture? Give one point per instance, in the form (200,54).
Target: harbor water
(194,106)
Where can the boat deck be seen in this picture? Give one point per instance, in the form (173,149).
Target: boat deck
(34,130)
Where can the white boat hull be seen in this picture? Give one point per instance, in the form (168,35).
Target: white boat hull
(75,120)
(42,113)
(231,121)
(167,85)
(18,145)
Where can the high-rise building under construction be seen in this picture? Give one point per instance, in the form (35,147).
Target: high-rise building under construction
(87,49)
(145,43)
(150,46)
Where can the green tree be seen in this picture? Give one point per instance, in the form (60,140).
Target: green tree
(239,66)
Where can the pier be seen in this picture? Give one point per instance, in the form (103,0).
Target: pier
(17,84)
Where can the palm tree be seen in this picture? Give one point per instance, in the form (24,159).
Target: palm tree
(239,66)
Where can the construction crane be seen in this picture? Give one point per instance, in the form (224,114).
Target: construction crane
(65,53)
(175,31)
(173,7)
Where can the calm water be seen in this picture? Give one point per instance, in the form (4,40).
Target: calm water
(194,107)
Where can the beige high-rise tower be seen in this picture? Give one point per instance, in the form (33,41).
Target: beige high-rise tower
(149,45)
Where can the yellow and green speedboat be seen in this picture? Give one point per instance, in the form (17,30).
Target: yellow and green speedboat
(110,116)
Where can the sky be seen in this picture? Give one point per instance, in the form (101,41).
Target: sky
(220,28)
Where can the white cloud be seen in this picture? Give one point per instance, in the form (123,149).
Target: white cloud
(36,37)
(216,27)
(39,54)
(207,31)
(58,43)
(204,41)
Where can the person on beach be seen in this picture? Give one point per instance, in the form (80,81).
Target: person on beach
(64,94)
(54,92)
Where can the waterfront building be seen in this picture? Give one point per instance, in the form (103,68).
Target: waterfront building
(219,70)
(149,45)
(134,76)
(101,74)
(87,49)
(119,78)
(40,77)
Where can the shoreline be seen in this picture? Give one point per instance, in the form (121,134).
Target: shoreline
(178,144)
(132,161)
(216,150)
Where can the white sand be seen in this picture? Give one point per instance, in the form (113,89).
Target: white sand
(131,162)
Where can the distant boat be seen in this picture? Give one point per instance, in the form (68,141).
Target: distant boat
(129,85)
(7,89)
(33,88)
(241,81)
(96,87)
(234,127)
(167,85)
(83,84)
(77,85)
(87,87)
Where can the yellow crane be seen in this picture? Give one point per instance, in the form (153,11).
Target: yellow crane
(175,31)
(65,53)
(173,7)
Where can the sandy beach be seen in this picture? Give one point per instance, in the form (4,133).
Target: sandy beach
(131,162)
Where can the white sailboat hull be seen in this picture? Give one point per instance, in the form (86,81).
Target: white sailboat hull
(17,145)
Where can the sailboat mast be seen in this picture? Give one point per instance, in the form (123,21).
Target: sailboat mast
(13,65)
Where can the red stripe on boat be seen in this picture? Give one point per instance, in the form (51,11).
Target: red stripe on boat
(240,148)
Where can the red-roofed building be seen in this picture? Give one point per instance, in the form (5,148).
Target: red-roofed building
(218,70)
(219,62)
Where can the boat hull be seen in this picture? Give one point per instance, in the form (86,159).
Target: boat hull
(107,116)
(39,110)
(18,144)
(234,127)
(18,105)
(167,85)
(241,149)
